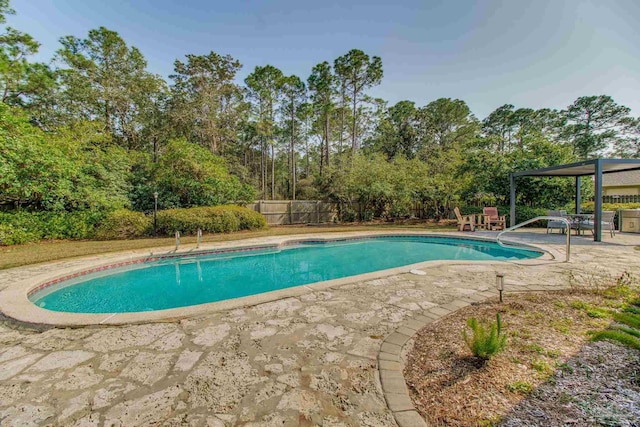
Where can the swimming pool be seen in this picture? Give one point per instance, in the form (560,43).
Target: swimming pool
(192,279)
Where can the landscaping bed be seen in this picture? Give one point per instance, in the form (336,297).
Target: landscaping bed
(548,374)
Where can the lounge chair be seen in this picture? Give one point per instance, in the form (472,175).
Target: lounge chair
(465,221)
(560,225)
(493,220)
(606,222)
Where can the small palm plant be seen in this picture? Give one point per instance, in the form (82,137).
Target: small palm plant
(485,341)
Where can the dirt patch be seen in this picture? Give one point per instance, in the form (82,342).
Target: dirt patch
(546,332)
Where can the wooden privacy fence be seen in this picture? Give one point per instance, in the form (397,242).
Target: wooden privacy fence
(287,212)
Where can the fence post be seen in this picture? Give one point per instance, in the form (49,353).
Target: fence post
(290,212)
(317,211)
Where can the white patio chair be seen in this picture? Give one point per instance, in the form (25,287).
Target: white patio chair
(551,224)
(606,222)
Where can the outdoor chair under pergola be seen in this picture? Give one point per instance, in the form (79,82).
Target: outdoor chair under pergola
(595,167)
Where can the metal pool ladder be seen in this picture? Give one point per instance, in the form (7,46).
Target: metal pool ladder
(553,218)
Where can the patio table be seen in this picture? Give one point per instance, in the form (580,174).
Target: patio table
(578,220)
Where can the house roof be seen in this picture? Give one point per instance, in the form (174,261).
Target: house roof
(621,179)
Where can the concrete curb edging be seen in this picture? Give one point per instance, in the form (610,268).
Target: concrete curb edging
(390,367)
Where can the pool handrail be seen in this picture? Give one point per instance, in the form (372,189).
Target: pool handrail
(538,218)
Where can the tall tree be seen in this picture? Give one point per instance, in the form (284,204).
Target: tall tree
(593,124)
(264,86)
(445,123)
(498,127)
(321,84)
(396,133)
(357,72)
(294,95)
(21,82)
(628,145)
(207,104)
(5,9)
(106,80)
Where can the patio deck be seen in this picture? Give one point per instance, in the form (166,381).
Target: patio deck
(305,360)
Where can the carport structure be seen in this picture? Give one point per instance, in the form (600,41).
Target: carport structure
(595,167)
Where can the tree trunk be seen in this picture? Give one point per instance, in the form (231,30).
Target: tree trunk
(353,128)
(293,158)
(326,135)
(273,170)
(155,149)
(263,175)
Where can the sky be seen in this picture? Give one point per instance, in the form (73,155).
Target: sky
(529,53)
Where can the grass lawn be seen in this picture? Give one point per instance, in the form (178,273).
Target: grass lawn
(15,256)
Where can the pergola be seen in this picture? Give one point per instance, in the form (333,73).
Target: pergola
(596,167)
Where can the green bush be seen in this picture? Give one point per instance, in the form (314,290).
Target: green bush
(18,227)
(485,341)
(590,206)
(215,219)
(124,224)
(249,219)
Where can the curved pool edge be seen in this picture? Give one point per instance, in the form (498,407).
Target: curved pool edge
(15,303)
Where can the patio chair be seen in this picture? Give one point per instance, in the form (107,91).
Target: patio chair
(606,222)
(465,220)
(551,224)
(493,220)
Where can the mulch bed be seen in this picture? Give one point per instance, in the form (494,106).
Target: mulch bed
(547,333)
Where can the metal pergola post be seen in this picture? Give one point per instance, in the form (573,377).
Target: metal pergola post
(512,200)
(597,226)
(578,201)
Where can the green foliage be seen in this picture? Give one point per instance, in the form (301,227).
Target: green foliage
(70,169)
(522,387)
(207,104)
(21,226)
(628,319)
(249,219)
(186,175)
(578,305)
(124,224)
(485,341)
(216,219)
(107,79)
(541,365)
(630,331)
(592,120)
(619,336)
(632,309)
(589,206)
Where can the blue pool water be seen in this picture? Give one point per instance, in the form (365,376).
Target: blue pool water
(195,280)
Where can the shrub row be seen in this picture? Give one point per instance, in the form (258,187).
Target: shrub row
(24,227)
(124,224)
(216,219)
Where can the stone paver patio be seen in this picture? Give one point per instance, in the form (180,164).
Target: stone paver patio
(299,361)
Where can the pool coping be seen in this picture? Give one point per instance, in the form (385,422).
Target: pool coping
(15,303)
